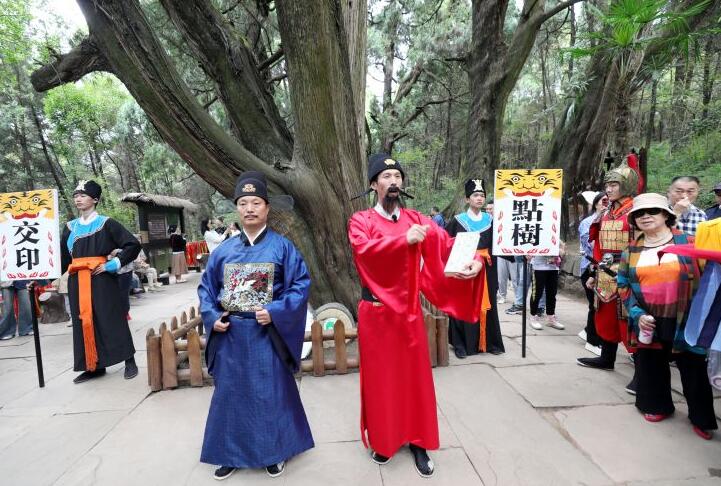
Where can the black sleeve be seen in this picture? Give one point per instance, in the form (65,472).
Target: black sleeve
(452,227)
(129,245)
(65,257)
(486,240)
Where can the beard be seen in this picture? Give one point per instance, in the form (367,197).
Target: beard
(392,200)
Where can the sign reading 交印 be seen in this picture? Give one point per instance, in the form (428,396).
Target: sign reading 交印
(527,212)
(29,235)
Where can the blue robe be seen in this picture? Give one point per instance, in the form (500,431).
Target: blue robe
(256,417)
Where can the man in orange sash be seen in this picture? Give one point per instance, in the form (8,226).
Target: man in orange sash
(101,336)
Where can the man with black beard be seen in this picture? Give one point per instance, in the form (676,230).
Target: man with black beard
(398,403)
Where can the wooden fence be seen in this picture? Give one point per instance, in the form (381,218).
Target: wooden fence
(183,342)
(171,348)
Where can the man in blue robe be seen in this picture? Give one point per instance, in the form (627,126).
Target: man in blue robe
(253,301)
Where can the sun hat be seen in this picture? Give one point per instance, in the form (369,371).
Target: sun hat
(650,200)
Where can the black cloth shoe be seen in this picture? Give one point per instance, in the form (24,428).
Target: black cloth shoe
(223,472)
(89,375)
(131,369)
(597,363)
(496,351)
(275,470)
(424,464)
(459,352)
(380,460)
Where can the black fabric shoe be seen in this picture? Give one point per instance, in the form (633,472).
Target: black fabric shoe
(223,472)
(89,375)
(496,351)
(459,352)
(424,464)
(380,460)
(514,310)
(131,369)
(597,363)
(275,470)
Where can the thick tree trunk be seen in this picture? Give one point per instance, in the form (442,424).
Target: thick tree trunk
(325,168)
(493,69)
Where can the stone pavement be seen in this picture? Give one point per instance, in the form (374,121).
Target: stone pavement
(504,420)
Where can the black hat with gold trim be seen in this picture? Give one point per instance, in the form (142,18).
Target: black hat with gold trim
(251,183)
(379,162)
(89,188)
(474,185)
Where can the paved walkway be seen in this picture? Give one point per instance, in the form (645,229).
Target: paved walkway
(504,420)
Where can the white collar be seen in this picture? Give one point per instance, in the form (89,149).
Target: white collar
(474,216)
(396,212)
(252,242)
(89,219)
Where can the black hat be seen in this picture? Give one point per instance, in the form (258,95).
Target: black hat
(251,183)
(90,188)
(379,162)
(474,185)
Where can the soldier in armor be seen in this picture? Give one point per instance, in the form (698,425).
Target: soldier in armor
(611,234)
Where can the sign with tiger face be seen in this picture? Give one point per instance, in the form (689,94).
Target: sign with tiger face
(29,235)
(527,212)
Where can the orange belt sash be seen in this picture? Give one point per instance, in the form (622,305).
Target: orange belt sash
(84,268)
(485,301)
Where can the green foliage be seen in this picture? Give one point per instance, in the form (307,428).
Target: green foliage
(699,157)
(14,21)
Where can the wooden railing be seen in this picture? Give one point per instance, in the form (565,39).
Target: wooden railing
(171,348)
(183,342)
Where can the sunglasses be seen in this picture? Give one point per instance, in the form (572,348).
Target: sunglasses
(649,211)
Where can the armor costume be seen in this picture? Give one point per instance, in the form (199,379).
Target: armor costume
(611,235)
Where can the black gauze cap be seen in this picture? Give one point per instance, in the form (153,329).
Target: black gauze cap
(474,185)
(90,188)
(251,183)
(379,162)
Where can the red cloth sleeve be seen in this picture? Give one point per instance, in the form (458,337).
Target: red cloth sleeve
(691,251)
(388,265)
(458,298)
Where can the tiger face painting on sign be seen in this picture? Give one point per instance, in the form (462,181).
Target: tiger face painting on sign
(29,235)
(527,212)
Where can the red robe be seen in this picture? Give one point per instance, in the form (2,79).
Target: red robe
(398,402)
(609,324)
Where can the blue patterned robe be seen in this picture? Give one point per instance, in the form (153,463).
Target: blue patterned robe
(256,417)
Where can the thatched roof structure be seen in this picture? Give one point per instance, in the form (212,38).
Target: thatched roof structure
(159,200)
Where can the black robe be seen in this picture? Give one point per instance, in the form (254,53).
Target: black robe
(466,334)
(110,307)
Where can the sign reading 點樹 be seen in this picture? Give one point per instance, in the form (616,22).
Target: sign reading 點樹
(29,235)
(527,212)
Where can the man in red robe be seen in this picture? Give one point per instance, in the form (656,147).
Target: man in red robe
(398,403)
(611,235)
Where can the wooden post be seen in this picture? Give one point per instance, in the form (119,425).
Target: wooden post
(192,313)
(442,340)
(317,339)
(196,365)
(341,356)
(183,318)
(173,323)
(155,366)
(430,322)
(169,359)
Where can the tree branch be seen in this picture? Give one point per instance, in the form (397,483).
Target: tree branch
(405,86)
(275,57)
(558,8)
(83,59)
